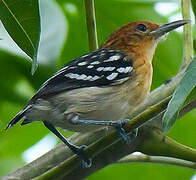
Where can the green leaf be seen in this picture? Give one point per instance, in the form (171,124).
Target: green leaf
(181,93)
(22,21)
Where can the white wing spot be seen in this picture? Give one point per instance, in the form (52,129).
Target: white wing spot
(72,75)
(88,78)
(81,77)
(82,63)
(94,56)
(89,67)
(95,78)
(121,70)
(112,76)
(102,54)
(111,50)
(95,62)
(128,69)
(124,59)
(108,68)
(113,58)
(100,68)
(125,70)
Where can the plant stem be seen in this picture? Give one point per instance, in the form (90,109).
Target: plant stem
(157,159)
(188,41)
(158,145)
(91,24)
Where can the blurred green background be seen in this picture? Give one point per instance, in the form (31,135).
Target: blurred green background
(63,38)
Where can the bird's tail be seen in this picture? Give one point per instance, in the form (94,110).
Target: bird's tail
(18,117)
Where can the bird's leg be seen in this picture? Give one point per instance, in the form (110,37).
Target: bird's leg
(75,149)
(117,124)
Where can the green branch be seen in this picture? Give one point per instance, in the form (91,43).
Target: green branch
(157,159)
(158,145)
(188,41)
(91,25)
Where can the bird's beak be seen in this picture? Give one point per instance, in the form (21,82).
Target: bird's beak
(165,28)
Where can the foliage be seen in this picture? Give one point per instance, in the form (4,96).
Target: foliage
(63,38)
(22,26)
(185,87)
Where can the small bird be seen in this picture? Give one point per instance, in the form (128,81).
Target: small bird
(99,88)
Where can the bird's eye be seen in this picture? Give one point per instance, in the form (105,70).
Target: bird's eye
(142,27)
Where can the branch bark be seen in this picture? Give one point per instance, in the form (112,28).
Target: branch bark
(157,159)
(149,141)
(158,145)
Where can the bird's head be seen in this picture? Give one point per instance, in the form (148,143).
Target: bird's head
(140,38)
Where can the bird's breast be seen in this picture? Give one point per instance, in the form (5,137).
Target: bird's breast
(139,85)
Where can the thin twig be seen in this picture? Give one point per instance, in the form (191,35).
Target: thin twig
(157,159)
(188,41)
(91,25)
(188,108)
(156,144)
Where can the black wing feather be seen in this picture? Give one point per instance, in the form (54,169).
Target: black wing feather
(59,82)
(62,81)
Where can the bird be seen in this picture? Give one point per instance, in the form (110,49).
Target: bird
(100,88)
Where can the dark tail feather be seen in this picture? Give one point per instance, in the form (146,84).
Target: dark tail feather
(18,117)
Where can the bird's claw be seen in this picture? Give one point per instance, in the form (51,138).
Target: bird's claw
(121,131)
(86,163)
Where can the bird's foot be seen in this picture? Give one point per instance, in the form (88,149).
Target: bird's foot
(86,163)
(121,131)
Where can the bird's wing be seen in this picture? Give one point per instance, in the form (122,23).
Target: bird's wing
(102,67)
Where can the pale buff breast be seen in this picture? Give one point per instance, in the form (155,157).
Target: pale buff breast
(139,85)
